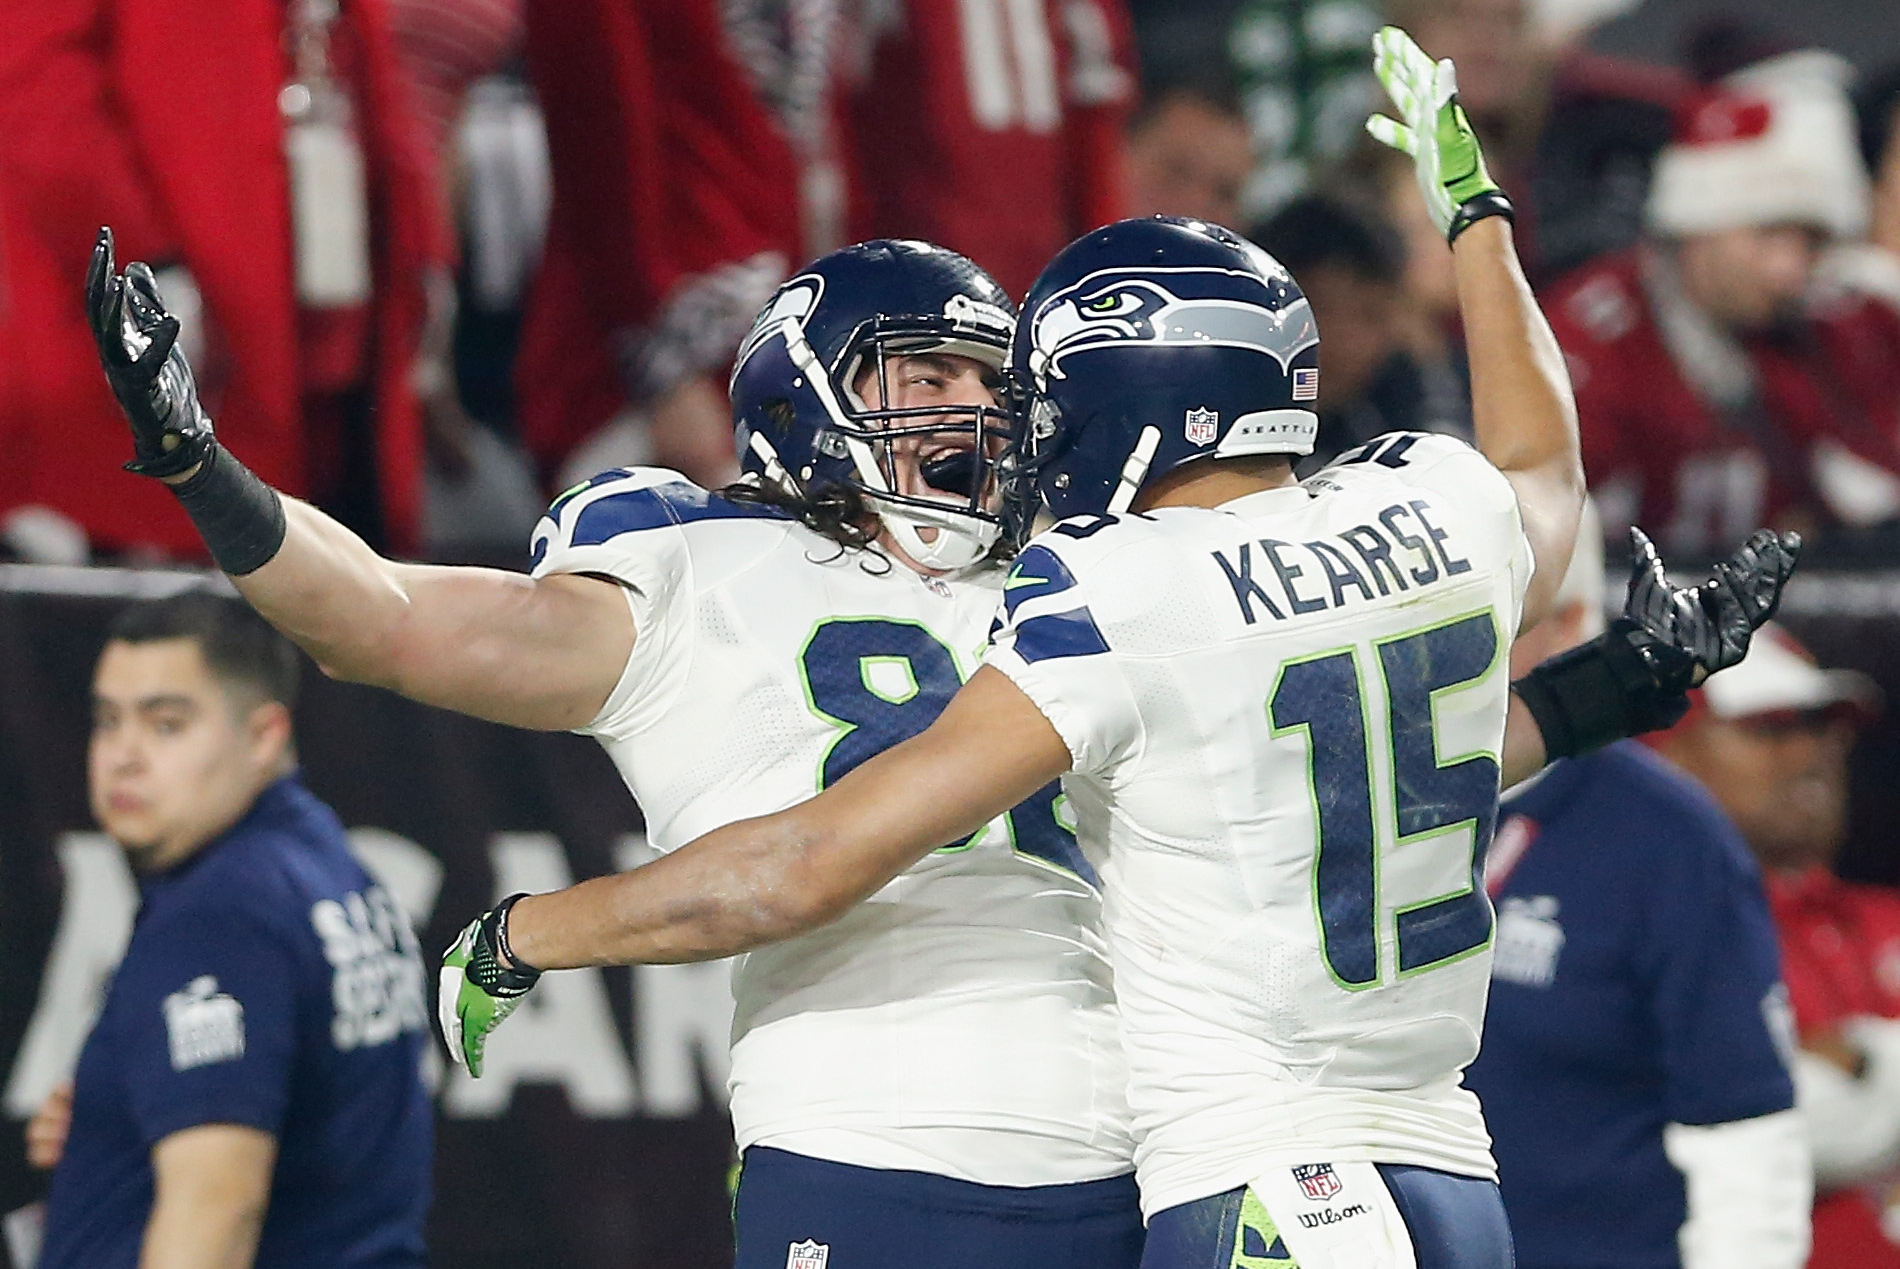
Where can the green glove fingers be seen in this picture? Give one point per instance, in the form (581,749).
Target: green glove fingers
(1434,130)
(1393,133)
(474,993)
(1461,162)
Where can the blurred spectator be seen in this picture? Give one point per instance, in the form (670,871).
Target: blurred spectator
(1188,154)
(1770,739)
(693,150)
(992,127)
(447,45)
(294,216)
(1871,269)
(1304,70)
(252,1089)
(1713,394)
(1637,1042)
(490,150)
(1879,106)
(1570,134)
(1605,121)
(1502,67)
(1351,268)
(700,150)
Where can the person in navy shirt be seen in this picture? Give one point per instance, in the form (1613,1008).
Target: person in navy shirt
(251,1092)
(1634,1071)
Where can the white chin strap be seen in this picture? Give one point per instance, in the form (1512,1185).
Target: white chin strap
(961,540)
(1135,470)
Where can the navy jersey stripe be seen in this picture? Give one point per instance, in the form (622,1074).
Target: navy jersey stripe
(1063,634)
(656,507)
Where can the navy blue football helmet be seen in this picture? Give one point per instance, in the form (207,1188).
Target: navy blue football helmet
(1149,343)
(802,424)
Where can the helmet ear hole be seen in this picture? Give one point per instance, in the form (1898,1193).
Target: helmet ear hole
(781,413)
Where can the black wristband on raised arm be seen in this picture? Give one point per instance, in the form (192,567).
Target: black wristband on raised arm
(240,518)
(1473,210)
(1596,693)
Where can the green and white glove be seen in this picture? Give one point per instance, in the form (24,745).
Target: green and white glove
(1435,132)
(476,992)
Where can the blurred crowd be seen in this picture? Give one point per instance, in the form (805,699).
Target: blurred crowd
(437,259)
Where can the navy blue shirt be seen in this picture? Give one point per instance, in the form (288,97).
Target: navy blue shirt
(1636,983)
(268,982)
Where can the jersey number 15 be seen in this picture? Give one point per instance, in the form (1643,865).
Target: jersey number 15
(1439,805)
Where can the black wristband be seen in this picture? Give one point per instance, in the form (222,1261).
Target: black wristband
(502,910)
(240,518)
(485,969)
(1596,693)
(1471,211)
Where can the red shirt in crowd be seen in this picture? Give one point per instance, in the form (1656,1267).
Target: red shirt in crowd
(1700,476)
(703,149)
(999,138)
(108,115)
(1840,951)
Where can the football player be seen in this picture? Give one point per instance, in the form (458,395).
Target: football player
(1278,710)
(934,1080)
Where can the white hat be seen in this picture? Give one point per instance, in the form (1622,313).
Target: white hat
(1774,143)
(1779,675)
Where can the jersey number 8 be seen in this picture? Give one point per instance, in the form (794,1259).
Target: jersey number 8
(885,681)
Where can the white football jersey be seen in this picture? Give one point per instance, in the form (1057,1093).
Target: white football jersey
(1286,714)
(962,1020)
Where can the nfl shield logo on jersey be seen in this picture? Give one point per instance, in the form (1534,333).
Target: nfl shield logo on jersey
(1317,1181)
(1202,426)
(808,1255)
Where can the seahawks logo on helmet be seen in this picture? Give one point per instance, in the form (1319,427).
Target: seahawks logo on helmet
(1185,307)
(795,301)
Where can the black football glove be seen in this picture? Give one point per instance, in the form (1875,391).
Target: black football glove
(137,342)
(1635,676)
(1688,634)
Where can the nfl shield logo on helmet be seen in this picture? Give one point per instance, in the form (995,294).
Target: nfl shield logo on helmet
(1317,1181)
(808,1255)
(1306,383)
(1202,426)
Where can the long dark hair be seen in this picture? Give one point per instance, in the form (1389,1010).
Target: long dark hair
(833,511)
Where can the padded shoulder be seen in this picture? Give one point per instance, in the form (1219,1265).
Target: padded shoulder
(1444,465)
(625,523)
(631,500)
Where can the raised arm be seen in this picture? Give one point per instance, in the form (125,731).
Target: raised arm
(1522,408)
(542,653)
(761,880)
(534,653)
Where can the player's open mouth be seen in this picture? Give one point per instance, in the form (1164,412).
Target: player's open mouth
(951,467)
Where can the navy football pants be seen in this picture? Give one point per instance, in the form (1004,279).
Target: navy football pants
(1457,1222)
(877,1218)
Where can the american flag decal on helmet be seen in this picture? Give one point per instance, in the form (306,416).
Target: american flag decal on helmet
(1306,383)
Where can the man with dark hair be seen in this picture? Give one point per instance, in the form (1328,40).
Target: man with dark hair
(251,1092)
(1188,152)
(1771,745)
(1717,385)
(1351,265)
